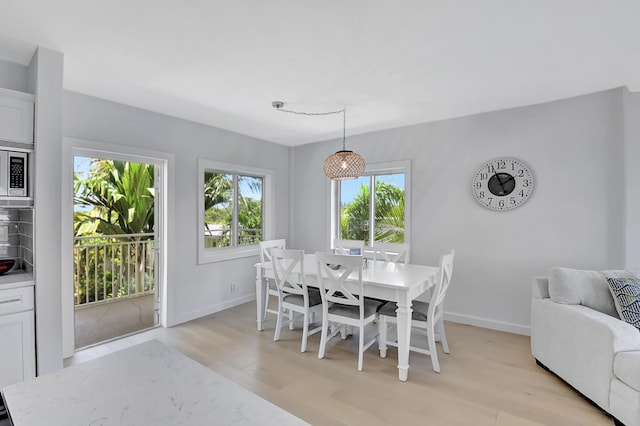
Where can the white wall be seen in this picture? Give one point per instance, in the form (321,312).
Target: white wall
(193,290)
(574,218)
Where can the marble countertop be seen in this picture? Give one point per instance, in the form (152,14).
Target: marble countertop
(148,384)
(16,279)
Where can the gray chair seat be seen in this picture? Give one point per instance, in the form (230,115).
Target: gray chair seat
(419,313)
(370,308)
(296,299)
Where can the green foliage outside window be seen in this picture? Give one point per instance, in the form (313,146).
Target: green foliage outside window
(218,209)
(115,198)
(389,214)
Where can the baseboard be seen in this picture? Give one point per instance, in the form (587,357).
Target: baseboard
(449,316)
(211,309)
(486,323)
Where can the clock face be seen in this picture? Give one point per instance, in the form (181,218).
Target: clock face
(503,184)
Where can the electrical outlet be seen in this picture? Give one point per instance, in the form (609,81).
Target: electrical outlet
(233,288)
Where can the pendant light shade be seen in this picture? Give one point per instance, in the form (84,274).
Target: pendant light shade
(340,165)
(344,165)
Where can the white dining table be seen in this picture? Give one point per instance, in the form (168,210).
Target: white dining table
(397,282)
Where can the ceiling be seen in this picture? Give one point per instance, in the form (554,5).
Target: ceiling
(391,63)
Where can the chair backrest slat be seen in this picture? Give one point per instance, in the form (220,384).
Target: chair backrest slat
(391,252)
(288,270)
(345,246)
(266,246)
(332,281)
(442,284)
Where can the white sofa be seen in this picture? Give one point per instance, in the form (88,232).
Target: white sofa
(576,333)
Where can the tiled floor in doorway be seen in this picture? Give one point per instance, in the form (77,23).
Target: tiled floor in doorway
(103,322)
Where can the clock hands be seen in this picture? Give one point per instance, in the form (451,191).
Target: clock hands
(501,183)
(497,176)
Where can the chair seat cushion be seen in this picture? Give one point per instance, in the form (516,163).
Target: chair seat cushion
(370,308)
(296,299)
(419,313)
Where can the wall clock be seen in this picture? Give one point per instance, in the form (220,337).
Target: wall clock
(503,184)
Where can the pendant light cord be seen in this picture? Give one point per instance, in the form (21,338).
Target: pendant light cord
(344,128)
(279,106)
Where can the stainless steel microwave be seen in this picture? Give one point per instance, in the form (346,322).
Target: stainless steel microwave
(13,174)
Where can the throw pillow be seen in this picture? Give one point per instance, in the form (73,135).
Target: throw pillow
(626,296)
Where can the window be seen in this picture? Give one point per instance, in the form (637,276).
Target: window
(233,212)
(373,207)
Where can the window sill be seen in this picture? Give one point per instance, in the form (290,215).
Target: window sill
(230,253)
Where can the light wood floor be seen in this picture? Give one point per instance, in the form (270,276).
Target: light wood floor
(489,378)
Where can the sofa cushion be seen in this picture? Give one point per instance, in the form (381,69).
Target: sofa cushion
(626,367)
(626,296)
(580,287)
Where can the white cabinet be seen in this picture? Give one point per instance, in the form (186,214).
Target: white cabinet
(17,335)
(16,116)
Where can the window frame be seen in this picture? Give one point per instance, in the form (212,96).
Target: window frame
(218,254)
(403,166)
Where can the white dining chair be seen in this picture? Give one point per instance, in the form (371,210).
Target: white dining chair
(352,247)
(342,306)
(265,256)
(293,293)
(426,316)
(391,252)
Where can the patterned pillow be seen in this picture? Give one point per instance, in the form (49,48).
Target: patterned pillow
(626,295)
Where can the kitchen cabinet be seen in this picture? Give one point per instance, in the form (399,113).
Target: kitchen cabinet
(16,116)
(17,330)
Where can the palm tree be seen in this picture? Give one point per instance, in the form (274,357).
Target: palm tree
(389,214)
(119,196)
(218,192)
(218,200)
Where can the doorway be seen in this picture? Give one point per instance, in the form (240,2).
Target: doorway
(116,244)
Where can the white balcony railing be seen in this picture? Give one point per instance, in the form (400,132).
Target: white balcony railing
(112,267)
(220,236)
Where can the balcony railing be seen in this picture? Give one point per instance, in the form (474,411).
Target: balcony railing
(112,267)
(219,236)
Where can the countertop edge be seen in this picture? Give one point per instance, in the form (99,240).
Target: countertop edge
(16,280)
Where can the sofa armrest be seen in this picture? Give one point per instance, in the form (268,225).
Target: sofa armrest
(579,344)
(627,368)
(540,288)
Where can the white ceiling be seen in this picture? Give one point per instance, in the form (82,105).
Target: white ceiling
(391,63)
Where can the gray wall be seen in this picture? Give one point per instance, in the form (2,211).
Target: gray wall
(194,290)
(574,218)
(13,76)
(632,154)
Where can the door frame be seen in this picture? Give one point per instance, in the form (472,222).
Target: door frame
(163,163)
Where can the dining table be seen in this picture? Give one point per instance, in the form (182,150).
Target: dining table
(397,282)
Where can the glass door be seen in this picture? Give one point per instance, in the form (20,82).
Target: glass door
(115,248)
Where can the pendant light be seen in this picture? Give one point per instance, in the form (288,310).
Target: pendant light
(343,164)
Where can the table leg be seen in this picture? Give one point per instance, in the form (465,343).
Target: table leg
(260,295)
(403,318)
